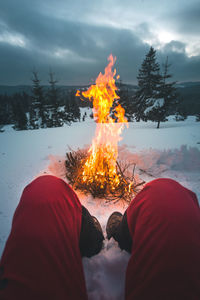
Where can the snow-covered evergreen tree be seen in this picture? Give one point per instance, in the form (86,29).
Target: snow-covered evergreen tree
(38,115)
(72,110)
(165,101)
(68,114)
(149,81)
(20,118)
(155,96)
(55,119)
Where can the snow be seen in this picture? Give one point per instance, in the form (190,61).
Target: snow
(155,103)
(172,151)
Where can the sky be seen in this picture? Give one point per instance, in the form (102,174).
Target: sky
(74,38)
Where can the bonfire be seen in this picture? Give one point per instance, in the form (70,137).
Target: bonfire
(97,170)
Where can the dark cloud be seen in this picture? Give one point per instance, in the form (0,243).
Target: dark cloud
(184,20)
(183,68)
(89,49)
(175,46)
(74,49)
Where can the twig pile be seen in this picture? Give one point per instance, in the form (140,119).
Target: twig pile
(125,190)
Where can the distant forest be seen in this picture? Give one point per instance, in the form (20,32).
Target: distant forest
(15,106)
(155,98)
(40,106)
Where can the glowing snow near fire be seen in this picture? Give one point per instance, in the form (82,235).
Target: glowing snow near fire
(101,164)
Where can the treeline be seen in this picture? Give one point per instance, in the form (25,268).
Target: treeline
(155,99)
(43,109)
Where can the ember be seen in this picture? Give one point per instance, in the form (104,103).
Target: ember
(98,171)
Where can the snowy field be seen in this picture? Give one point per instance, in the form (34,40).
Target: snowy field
(172,151)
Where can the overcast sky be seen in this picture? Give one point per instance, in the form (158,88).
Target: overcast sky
(74,38)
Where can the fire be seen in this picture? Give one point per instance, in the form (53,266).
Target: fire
(101,164)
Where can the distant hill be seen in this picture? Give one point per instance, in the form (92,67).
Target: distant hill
(11,90)
(188,84)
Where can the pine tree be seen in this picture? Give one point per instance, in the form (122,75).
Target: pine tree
(68,114)
(38,114)
(53,98)
(149,81)
(20,118)
(72,110)
(166,98)
(168,93)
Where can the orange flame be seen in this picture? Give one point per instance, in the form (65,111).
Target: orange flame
(101,164)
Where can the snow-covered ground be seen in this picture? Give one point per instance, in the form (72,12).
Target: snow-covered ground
(172,151)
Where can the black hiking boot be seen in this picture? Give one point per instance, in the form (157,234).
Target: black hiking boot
(97,225)
(113,224)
